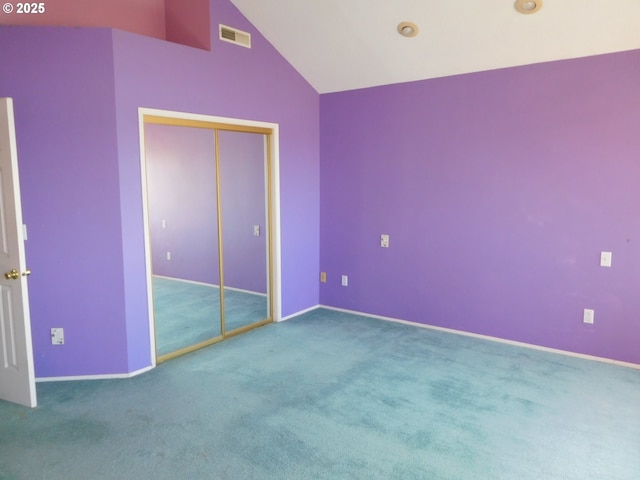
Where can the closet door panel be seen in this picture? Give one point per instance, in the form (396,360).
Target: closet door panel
(183,224)
(244,227)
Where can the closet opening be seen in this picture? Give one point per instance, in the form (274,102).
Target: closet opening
(211,228)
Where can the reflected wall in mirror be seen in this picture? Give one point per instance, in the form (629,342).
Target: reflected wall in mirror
(183,225)
(243,181)
(209,231)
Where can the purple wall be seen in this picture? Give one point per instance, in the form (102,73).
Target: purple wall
(77,93)
(229,81)
(181,186)
(63,90)
(498,190)
(242,176)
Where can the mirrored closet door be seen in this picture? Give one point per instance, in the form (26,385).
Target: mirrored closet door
(244,216)
(208,222)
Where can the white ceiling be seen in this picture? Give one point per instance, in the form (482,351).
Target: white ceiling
(341,45)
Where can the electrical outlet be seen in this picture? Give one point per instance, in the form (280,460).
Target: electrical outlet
(168,255)
(384,241)
(588,316)
(323,277)
(256,230)
(605,259)
(345,281)
(57,336)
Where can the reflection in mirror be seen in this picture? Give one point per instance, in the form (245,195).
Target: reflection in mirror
(183,225)
(243,179)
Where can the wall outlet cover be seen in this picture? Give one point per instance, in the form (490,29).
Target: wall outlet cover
(57,336)
(588,316)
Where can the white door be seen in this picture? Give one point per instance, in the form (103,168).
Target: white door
(17,381)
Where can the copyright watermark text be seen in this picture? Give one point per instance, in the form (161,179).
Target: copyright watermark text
(24,8)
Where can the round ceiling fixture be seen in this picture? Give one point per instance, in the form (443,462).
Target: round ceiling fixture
(528,6)
(408,29)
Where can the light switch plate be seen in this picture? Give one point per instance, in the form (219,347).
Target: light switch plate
(57,336)
(588,316)
(605,259)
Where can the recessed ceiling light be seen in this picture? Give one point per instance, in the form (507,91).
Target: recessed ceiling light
(528,6)
(408,29)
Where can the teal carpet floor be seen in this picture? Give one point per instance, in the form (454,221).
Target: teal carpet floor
(188,313)
(335,396)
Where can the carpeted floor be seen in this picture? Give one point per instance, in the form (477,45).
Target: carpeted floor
(188,313)
(335,396)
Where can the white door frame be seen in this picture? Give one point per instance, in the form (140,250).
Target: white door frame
(275,205)
(17,378)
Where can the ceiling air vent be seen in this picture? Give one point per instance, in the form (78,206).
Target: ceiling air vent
(233,35)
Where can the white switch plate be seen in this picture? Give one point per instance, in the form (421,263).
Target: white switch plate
(256,230)
(168,255)
(588,316)
(164,223)
(384,241)
(605,259)
(345,281)
(57,336)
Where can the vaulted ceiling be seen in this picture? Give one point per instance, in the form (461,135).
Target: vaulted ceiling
(348,44)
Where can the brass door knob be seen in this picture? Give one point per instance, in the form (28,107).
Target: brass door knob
(12,275)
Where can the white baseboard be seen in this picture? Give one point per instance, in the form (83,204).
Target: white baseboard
(242,290)
(184,280)
(108,376)
(306,310)
(212,285)
(379,317)
(490,338)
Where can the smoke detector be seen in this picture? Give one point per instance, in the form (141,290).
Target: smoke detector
(528,6)
(408,29)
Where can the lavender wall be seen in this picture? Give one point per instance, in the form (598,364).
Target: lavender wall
(498,190)
(181,186)
(77,93)
(229,81)
(242,176)
(62,85)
